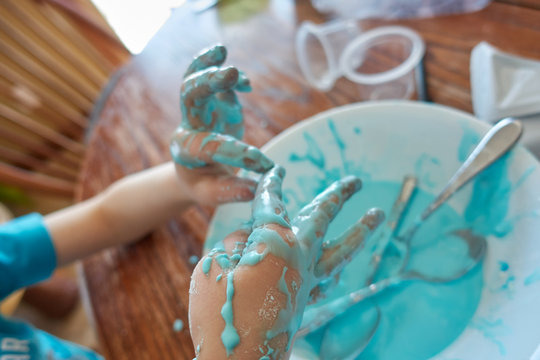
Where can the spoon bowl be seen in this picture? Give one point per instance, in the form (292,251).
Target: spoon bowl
(476,250)
(367,315)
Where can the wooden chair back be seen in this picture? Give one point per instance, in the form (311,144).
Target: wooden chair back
(55,58)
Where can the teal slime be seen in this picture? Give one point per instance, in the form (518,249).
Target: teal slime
(418,319)
(468,141)
(314,154)
(336,339)
(207,264)
(229,336)
(178,325)
(488,206)
(193,259)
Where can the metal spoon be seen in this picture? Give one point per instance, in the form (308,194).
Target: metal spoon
(376,246)
(332,346)
(386,235)
(370,322)
(498,140)
(321,315)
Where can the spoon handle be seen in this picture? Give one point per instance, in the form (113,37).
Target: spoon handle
(498,140)
(319,316)
(386,235)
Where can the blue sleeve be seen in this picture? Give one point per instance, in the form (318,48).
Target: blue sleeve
(27,253)
(19,340)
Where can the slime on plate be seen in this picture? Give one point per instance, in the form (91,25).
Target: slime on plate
(419,319)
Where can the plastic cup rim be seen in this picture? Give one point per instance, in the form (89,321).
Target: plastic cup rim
(417,52)
(328,80)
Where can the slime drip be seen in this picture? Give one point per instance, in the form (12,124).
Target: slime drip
(229,336)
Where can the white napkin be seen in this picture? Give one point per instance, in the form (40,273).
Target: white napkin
(505,85)
(502,84)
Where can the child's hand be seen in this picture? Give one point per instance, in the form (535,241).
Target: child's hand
(247,300)
(206,145)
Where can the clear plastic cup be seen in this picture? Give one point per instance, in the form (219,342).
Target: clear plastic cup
(319,48)
(383,62)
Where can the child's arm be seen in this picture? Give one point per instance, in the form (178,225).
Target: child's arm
(127,210)
(206,148)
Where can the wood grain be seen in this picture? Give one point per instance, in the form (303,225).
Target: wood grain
(137,292)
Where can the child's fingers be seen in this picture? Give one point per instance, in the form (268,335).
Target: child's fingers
(313,220)
(337,252)
(268,207)
(231,120)
(230,188)
(243,83)
(198,88)
(196,149)
(235,242)
(228,97)
(225,258)
(271,229)
(214,56)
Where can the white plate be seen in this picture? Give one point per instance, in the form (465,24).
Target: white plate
(383,141)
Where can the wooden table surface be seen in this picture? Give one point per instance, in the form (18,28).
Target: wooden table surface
(137,292)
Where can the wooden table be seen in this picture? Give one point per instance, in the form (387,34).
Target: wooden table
(137,292)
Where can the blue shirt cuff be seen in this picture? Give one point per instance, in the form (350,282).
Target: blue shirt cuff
(27,253)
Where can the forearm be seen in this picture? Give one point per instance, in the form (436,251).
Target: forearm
(124,212)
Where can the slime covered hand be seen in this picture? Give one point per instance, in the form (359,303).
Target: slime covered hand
(206,145)
(247,299)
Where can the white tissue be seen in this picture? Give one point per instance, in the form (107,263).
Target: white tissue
(503,85)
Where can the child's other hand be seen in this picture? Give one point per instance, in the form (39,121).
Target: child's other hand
(206,145)
(247,300)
